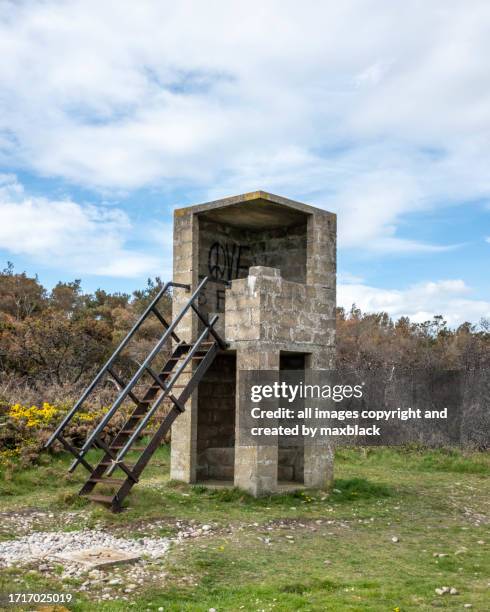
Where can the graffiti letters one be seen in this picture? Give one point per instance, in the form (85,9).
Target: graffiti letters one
(225,260)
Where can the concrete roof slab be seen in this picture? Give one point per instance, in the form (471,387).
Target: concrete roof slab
(254,210)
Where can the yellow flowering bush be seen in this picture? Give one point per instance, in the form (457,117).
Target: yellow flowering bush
(25,428)
(33,416)
(41,416)
(9,453)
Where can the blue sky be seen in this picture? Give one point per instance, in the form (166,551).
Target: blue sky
(113,114)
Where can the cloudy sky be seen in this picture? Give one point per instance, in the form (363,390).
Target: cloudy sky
(113,113)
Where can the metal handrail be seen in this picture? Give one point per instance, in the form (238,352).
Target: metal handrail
(124,393)
(212,331)
(168,387)
(111,360)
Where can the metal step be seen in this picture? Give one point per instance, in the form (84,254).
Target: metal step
(150,401)
(109,481)
(182,357)
(102,499)
(130,466)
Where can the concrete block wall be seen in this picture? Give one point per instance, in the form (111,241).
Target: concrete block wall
(268,309)
(216,420)
(281,258)
(223,254)
(226,253)
(283,248)
(266,315)
(184,430)
(321,258)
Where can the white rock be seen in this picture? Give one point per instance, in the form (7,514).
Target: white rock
(395,539)
(47,545)
(442,590)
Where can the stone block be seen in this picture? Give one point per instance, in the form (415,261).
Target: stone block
(97,558)
(256,469)
(318,466)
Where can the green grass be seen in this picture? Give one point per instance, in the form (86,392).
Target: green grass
(339,554)
(420,459)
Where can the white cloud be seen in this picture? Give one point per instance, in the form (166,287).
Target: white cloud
(64,234)
(420,302)
(374,74)
(374,109)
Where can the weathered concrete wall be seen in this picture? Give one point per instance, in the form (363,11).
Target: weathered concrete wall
(226,253)
(268,309)
(283,248)
(291,452)
(216,420)
(216,463)
(291,464)
(321,258)
(223,255)
(185,256)
(184,430)
(256,466)
(265,315)
(286,303)
(216,404)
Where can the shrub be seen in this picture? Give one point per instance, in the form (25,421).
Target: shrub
(24,429)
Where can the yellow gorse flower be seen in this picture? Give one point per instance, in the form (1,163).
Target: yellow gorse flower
(38,416)
(33,415)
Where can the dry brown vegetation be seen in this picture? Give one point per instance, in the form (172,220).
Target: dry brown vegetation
(52,343)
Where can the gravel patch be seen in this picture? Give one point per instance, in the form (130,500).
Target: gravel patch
(21,522)
(48,544)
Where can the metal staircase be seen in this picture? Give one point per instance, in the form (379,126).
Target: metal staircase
(186,365)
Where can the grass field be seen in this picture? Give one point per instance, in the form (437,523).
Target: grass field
(304,551)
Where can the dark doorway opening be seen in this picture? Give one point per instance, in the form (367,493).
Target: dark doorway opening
(216,420)
(290,467)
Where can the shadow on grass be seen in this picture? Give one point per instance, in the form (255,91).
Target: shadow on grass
(310,585)
(355,489)
(343,490)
